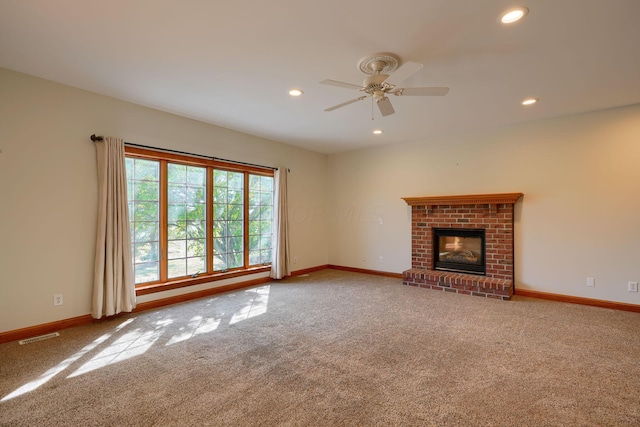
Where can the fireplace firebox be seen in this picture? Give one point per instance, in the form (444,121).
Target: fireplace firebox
(459,250)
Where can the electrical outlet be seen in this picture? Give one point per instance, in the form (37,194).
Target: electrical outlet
(364,259)
(57,299)
(591,281)
(295,259)
(381,260)
(633,286)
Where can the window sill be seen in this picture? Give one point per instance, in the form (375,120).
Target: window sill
(182,283)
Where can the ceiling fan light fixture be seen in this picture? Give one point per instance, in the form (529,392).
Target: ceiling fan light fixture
(530,101)
(295,92)
(513,15)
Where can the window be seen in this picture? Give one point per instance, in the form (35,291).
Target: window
(260,218)
(228,221)
(143,189)
(186,220)
(194,220)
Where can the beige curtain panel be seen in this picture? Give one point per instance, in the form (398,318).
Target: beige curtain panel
(280,255)
(113,284)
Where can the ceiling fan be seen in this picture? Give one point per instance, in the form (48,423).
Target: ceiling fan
(383,69)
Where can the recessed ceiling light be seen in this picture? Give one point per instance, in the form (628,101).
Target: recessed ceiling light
(377,132)
(295,92)
(529,101)
(513,15)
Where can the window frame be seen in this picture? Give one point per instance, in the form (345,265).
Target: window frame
(164,283)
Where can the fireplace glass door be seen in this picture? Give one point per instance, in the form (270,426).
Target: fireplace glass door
(459,250)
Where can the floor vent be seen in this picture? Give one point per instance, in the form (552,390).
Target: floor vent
(39,338)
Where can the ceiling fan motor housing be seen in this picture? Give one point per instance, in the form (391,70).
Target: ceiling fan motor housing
(377,66)
(375,83)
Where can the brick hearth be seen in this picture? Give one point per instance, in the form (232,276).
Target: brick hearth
(491,212)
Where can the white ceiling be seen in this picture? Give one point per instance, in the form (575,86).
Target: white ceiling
(231,63)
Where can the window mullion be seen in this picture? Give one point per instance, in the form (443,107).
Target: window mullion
(209,220)
(163,221)
(245,220)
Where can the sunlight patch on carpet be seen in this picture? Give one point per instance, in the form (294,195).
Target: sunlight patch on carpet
(197,325)
(131,344)
(44,378)
(257,305)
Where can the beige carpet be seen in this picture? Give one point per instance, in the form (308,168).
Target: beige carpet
(333,349)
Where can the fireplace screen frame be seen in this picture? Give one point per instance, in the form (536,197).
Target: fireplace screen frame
(459,267)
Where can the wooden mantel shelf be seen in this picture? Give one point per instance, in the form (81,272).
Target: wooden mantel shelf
(469,199)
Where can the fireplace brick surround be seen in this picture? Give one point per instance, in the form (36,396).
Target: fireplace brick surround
(491,212)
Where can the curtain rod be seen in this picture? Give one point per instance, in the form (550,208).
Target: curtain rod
(95,138)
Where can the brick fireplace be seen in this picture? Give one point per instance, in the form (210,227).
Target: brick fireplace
(492,213)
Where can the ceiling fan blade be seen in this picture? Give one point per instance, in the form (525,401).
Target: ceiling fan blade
(405,71)
(340,84)
(335,107)
(421,91)
(385,107)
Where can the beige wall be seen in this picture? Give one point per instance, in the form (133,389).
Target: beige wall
(48,189)
(579,217)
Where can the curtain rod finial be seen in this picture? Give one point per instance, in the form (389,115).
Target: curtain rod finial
(95,138)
